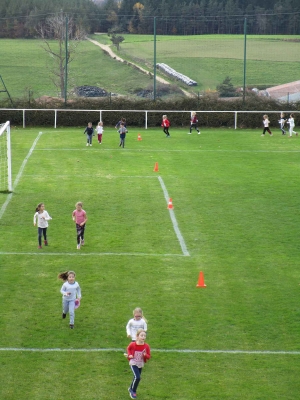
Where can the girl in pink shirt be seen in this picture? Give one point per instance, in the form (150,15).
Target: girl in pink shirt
(79,217)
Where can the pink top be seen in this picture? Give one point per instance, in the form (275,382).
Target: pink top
(80,216)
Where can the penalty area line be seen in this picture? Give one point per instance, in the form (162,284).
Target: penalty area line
(16,253)
(183,351)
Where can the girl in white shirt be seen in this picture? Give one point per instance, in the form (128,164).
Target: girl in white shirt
(266,123)
(41,218)
(71,292)
(99,130)
(291,122)
(137,322)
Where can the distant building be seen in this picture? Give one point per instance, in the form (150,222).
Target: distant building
(288,92)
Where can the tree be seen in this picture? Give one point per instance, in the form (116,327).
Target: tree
(117,40)
(60,29)
(226,88)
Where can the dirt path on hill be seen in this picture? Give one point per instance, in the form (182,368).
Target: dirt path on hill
(108,49)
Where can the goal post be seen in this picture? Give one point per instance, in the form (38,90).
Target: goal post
(5,158)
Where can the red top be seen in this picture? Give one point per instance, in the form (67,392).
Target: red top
(194,119)
(140,353)
(166,123)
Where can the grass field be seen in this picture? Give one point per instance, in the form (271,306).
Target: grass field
(208,59)
(235,197)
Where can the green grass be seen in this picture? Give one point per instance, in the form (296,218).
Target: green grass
(235,197)
(208,59)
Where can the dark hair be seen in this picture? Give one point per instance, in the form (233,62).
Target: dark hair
(38,207)
(64,275)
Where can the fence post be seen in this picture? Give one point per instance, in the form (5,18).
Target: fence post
(235,119)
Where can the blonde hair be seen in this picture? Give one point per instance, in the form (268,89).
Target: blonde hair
(100,123)
(265,116)
(140,311)
(140,330)
(64,275)
(164,116)
(79,203)
(194,113)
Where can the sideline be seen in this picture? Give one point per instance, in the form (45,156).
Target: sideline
(183,351)
(17,253)
(174,221)
(18,177)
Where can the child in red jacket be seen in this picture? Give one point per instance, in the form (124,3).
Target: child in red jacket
(138,353)
(165,124)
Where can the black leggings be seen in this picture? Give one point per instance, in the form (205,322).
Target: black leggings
(166,130)
(80,232)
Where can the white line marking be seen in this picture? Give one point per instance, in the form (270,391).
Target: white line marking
(18,177)
(95,350)
(174,221)
(13,253)
(174,150)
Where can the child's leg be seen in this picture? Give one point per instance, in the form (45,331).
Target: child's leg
(82,233)
(100,137)
(72,311)
(65,305)
(78,231)
(40,231)
(136,377)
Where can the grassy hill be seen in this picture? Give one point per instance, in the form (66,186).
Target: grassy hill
(208,59)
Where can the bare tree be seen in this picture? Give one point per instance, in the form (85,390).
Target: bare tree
(55,32)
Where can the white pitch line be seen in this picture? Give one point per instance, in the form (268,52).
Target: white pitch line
(174,221)
(18,177)
(15,253)
(175,150)
(183,351)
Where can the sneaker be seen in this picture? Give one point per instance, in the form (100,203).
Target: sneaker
(262,135)
(90,144)
(131,394)
(271,134)
(78,247)
(82,242)
(63,315)
(87,144)
(45,242)
(71,326)
(39,247)
(189,133)
(199,133)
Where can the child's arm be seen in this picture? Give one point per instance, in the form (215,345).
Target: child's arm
(47,216)
(73,216)
(78,292)
(128,328)
(130,350)
(34,219)
(147,353)
(85,219)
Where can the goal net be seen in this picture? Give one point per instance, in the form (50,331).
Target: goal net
(5,158)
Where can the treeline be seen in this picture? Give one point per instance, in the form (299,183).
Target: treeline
(19,18)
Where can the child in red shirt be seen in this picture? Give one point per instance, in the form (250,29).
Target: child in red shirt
(138,353)
(165,124)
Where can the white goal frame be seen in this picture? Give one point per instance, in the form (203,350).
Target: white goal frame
(5,129)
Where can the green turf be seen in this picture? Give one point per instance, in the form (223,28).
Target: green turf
(235,197)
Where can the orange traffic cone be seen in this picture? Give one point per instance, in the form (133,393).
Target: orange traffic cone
(156,167)
(201,280)
(139,137)
(170,204)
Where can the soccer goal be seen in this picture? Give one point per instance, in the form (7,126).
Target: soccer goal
(5,158)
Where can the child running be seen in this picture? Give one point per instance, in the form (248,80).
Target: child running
(266,123)
(70,291)
(165,124)
(137,322)
(41,218)
(99,130)
(122,121)
(80,218)
(122,131)
(291,122)
(138,353)
(282,121)
(194,123)
(89,131)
